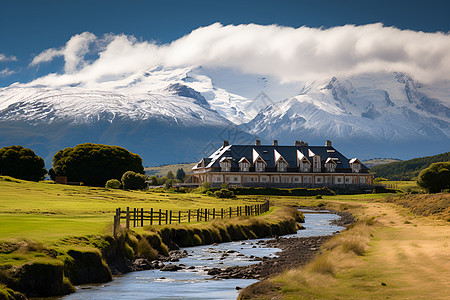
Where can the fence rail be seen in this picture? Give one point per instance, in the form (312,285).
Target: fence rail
(138,217)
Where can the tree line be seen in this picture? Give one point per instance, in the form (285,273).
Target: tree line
(409,169)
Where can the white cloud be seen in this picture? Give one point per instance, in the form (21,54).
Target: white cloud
(73,52)
(290,54)
(4,57)
(6,72)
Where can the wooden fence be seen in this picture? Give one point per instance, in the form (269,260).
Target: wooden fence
(138,217)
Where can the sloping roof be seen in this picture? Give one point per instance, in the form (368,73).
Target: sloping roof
(268,153)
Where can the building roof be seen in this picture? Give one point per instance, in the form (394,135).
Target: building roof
(270,154)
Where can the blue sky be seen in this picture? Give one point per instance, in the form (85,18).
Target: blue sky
(29,27)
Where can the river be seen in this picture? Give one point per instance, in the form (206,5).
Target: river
(194,283)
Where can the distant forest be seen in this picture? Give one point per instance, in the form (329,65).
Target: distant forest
(407,170)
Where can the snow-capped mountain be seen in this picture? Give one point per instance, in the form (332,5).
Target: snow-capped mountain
(172,115)
(152,113)
(375,114)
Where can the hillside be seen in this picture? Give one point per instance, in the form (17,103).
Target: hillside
(406,170)
(162,170)
(370,163)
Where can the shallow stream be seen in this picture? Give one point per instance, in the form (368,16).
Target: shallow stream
(194,283)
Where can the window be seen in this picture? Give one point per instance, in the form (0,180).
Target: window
(260,166)
(244,166)
(305,166)
(316,163)
(225,166)
(318,180)
(362,179)
(330,167)
(295,179)
(235,179)
(339,180)
(263,179)
(227,179)
(281,166)
(347,180)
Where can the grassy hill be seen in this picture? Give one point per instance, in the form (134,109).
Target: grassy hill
(406,170)
(379,161)
(162,170)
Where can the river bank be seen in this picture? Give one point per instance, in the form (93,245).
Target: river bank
(187,277)
(388,253)
(82,260)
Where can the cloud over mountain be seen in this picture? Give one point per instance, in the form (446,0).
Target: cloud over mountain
(290,54)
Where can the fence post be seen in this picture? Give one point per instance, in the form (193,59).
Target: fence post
(115,226)
(142,217)
(221,213)
(128,218)
(189,216)
(231,212)
(167,216)
(179,216)
(118,214)
(237,211)
(198,214)
(160,216)
(170,218)
(206,214)
(151,216)
(134,217)
(214,213)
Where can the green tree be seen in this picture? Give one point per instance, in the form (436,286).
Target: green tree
(21,163)
(153,180)
(435,178)
(113,184)
(170,175)
(94,164)
(181,174)
(133,181)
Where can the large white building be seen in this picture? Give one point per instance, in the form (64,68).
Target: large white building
(299,165)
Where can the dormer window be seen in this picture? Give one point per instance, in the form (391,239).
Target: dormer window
(330,165)
(304,164)
(225,165)
(355,164)
(244,165)
(281,166)
(280,162)
(260,166)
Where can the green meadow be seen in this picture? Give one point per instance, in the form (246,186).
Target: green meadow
(46,212)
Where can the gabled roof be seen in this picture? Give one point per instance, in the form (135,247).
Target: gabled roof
(278,157)
(301,156)
(330,160)
(243,159)
(354,160)
(269,154)
(257,156)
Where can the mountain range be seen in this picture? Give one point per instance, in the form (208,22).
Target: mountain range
(170,115)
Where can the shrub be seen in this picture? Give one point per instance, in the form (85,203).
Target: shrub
(113,184)
(169,183)
(133,181)
(435,178)
(153,180)
(22,163)
(224,193)
(319,197)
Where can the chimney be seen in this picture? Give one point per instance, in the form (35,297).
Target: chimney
(258,143)
(328,143)
(225,143)
(275,142)
(300,144)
